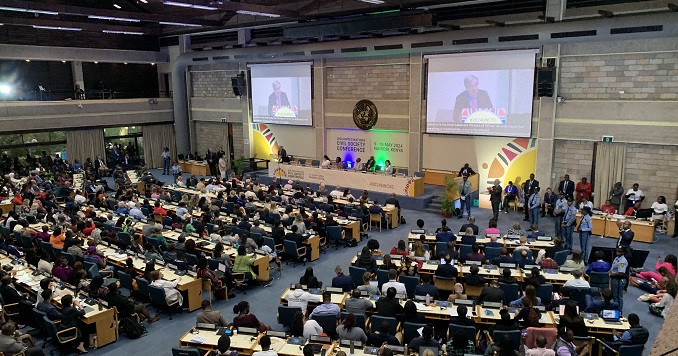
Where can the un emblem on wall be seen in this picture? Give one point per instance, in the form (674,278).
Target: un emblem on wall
(365,114)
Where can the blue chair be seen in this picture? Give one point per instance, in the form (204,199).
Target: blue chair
(441,247)
(360,319)
(191,259)
(561,256)
(125,281)
(410,331)
(185,351)
(376,320)
(328,323)
(125,237)
(296,254)
(315,163)
(464,250)
(213,264)
(382,277)
(497,335)
(144,290)
(624,350)
(492,252)
(410,283)
(510,291)
(518,257)
(357,274)
(286,314)
(161,302)
(579,295)
(335,236)
(469,330)
(545,293)
(599,280)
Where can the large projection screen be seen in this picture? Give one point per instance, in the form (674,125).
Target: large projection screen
(483,93)
(281,93)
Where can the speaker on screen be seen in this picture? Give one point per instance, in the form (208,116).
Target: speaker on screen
(238,84)
(545,78)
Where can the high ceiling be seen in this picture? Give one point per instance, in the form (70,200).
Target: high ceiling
(167,18)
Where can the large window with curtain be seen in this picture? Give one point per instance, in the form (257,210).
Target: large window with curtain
(23,144)
(129,138)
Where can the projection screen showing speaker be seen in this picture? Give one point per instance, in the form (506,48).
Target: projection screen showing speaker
(482,93)
(281,93)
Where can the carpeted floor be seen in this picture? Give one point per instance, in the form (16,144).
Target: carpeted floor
(165,334)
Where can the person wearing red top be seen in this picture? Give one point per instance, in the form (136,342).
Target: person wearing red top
(159,210)
(583,190)
(401,249)
(89,227)
(608,208)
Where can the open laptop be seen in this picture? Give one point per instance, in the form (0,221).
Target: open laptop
(611,316)
(221,270)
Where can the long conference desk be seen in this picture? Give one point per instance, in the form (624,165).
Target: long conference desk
(606,225)
(409,186)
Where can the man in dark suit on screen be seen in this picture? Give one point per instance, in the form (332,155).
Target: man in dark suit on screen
(277,99)
(472,98)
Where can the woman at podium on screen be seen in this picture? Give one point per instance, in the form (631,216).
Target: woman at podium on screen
(388,169)
(326,162)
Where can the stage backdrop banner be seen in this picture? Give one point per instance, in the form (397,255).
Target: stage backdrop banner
(347,179)
(382,144)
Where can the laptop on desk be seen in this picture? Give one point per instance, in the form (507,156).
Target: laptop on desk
(221,270)
(611,317)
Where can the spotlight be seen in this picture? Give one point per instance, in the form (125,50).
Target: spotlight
(5,89)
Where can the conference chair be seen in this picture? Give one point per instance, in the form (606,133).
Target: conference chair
(492,252)
(360,319)
(207,287)
(37,319)
(61,338)
(410,331)
(376,320)
(445,285)
(157,217)
(498,335)
(125,281)
(286,314)
(375,218)
(296,254)
(125,237)
(465,250)
(328,322)
(473,291)
(410,283)
(545,293)
(185,351)
(599,280)
(161,302)
(315,163)
(511,291)
(470,331)
(579,295)
(143,288)
(518,257)
(335,235)
(382,277)
(356,274)
(561,256)
(624,350)
(191,259)
(551,335)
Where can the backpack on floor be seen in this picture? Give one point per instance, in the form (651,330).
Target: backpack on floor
(132,328)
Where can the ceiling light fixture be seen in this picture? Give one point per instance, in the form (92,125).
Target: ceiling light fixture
(17,9)
(117,6)
(96,17)
(192,6)
(257,13)
(57,28)
(180,24)
(144,1)
(376,2)
(122,32)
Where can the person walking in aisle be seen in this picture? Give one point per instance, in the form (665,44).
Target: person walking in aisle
(166,161)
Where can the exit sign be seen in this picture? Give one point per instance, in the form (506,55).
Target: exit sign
(608,138)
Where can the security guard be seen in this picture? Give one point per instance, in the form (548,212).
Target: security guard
(619,277)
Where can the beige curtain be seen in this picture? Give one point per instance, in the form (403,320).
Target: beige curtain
(156,138)
(609,169)
(83,144)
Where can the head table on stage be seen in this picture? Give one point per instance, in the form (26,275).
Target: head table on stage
(374,182)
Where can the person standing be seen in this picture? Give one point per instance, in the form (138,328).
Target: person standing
(583,190)
(534,204)
(559,212)
(211,159)
(569,220)
(566,186)
(625,236)
(223,165)
(465,196)
(616,194)
(495,198)
(585,227)
(166,161)
(618,277)
(633,196)
(528,190)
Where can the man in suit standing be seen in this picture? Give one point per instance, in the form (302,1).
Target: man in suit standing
(277,99)
(566,186)
(495,198)
(472,98)
(530,184)
(465,196)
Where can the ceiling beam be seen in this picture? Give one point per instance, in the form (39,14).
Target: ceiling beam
(237,6)
(42,21)
(85,11)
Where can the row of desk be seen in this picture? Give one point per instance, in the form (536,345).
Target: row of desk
(606,225)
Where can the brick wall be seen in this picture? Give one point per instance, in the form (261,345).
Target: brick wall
(214,136)
(570,157)
(371,82)
(642,76)
(654,168)
(214,84)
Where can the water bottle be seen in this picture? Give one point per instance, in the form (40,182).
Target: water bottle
(351,348)
(428,299)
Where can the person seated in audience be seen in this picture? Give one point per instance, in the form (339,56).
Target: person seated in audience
(585,203)
(458,293)
(409,267)
(491,293)
(297,297)
(152,253)
(470,223)
(393,282)
(473,278)
(447,269)
(411,314)
(443,227)
(556,303)
(304,327)
(596,306)
(506,277)
(528,315)
(450,249)
(460,345)
(572,320)
(387,263)
(541,349)
(608,208)
(243,318)
(564,345)
(58,238)
(544,261)
(46,306)
(71,312)
(525,260)
(244,264)
(493,242)
(209,316)
(635,335)
(515,229)
(171,293)
(426,288)
(530,293)
(468,238)
(522,244)
(13,343)
(375,208)
(535,279)
(355,304)
(265,343)
(445,235)
(578,281)
(125,306)
(366,260)
(425,340)
(327,307)
(388,305)
(504,257)
(341,280)
(506,323)
(535,232)
(492,228)
(349,331)
(575,262)
(226,281)
(632,210)
(309,280)
(400,249)
(381,336)
(368,286)
(475,255)
(224,347)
